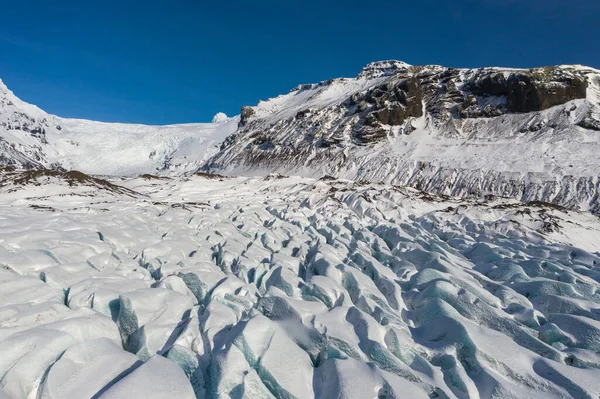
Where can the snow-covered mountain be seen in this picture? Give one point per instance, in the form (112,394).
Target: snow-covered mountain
(31,138)
(527,134)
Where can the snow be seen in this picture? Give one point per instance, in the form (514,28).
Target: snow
(158,282)
(121,149)
(156,378)
(205,286)
(317,96)
(106,148)
(84,369)
(220,117)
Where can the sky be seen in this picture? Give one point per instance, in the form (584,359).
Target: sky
(180,61)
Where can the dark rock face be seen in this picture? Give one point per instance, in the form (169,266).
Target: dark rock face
(441,91)
(472,108)
(385,106)
(590,123)
(529,91)
(302,114)
(526,94)
(245,114)
(492,84)
(395,102)
(393,115)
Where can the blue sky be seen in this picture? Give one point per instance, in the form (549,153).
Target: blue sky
(179,61)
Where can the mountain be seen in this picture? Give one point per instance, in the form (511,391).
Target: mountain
(530,134)
(526,134)
(32,139)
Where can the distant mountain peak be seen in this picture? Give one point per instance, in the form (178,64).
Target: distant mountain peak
(383,68)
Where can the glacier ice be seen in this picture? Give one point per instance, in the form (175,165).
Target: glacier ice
(293,287)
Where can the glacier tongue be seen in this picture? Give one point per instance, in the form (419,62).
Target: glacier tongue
(32,139)
(209,286)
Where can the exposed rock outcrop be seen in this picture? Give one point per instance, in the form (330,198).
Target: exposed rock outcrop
(533,90)
(245,114)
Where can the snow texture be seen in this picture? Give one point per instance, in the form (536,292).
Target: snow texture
(282,287)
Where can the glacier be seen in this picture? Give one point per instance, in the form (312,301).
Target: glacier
(206,286)
(420,232)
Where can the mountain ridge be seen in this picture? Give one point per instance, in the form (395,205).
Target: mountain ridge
(528,134)
(436,129)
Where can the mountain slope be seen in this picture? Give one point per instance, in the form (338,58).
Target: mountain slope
(527,134)
(31,138)
(530,134)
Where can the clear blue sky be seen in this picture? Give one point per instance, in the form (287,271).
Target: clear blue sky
(181,61)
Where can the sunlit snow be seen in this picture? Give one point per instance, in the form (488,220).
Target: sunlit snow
(291,287)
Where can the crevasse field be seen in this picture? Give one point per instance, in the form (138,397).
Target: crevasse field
(214,287)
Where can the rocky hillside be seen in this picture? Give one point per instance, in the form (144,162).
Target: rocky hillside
(528,134)
(23,130)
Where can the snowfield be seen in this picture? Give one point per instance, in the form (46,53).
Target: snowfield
(215,287)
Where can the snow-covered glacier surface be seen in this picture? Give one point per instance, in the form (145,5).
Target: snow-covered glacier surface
(214,287)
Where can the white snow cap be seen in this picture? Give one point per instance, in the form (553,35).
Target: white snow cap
(4,90)
(220,117)
(383,68)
